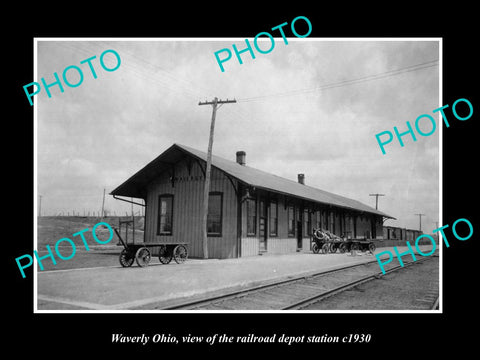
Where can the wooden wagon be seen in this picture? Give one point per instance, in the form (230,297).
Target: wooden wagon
(324,241)
(357,244)
(141,253)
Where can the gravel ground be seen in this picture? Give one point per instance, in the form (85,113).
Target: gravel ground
(412,288)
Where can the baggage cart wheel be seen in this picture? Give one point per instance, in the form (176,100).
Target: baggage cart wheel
(164,255)
(143,256)
(333,248)
(180,254)
(343,248)
(372,247)
(126,258)
(325,248)
(315,248)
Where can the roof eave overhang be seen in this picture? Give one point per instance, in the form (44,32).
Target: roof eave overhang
(132,187)
(316,201)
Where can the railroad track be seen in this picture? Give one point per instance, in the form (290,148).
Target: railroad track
(296,293)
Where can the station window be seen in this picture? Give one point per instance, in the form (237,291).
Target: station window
(214,216)
(307,223)
(273,217)
(165,214)
(251,217)
(291,221)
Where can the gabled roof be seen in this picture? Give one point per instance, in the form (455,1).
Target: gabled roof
(135,185)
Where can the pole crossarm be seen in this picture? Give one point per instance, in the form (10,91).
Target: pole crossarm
(214,102)
(420,217)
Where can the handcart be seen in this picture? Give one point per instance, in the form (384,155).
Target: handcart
(357,244)
(324,241)
(141,253)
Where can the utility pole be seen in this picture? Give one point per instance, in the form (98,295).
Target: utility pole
(376,199)
(103,203)
(420,216)
(206,191)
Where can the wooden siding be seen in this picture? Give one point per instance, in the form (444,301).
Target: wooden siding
(363,227)
(378,227)
(338,225)
(397,233)
(307,244)
(283,219)
(187,191)
(281,245)
(250,246)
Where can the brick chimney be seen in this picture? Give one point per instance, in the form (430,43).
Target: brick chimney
(301,179)
(241,157)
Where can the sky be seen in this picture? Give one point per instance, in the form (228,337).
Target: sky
(313,106)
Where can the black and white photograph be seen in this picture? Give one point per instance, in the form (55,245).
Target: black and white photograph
(273,187)
(302,204)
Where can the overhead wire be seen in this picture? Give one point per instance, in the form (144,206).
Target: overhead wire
(176,83)
(169,74)
(179,81)
(358,80)
(140,72)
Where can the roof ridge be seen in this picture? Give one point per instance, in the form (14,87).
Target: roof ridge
(343,200)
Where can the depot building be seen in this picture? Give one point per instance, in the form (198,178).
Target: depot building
(250,211)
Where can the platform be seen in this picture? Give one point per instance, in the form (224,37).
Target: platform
(113,288)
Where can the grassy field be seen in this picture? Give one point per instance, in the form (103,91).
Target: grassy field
(53,228)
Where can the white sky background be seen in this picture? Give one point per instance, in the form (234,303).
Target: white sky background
(97,135)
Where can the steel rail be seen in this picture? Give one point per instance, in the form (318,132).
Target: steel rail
(435,304)
(244,292)
(341,288)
